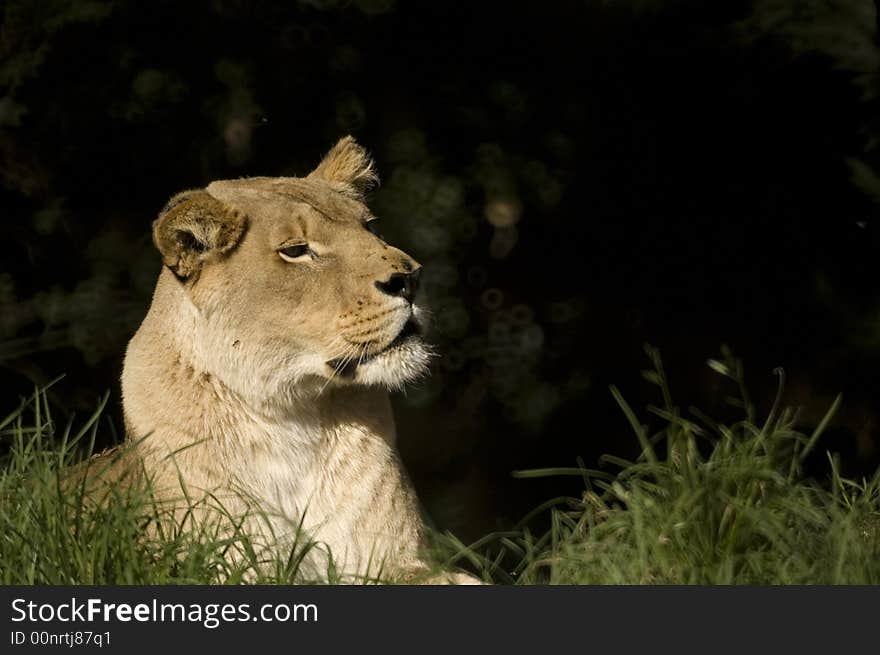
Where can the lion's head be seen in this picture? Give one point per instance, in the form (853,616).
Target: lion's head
(289,284)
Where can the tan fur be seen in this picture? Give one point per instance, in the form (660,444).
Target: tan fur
(347,165)
(228,376)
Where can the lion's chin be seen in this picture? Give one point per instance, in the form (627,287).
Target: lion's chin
(404,360)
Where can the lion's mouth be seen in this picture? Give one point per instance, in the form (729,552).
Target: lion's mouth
(346,368)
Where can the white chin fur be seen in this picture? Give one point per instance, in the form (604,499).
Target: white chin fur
(406,362)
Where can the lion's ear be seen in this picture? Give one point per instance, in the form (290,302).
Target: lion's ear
(347,164)
(194,228)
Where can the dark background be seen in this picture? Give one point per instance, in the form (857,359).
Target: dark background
(578,178)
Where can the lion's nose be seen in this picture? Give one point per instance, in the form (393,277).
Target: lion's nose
(403,285)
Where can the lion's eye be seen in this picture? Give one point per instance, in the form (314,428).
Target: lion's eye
(373,227)
(292,253)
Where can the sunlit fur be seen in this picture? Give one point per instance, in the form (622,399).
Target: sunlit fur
(261,376)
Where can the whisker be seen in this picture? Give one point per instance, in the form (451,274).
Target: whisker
(327,381)
(343,361)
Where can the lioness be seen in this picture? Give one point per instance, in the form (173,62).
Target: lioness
(278,325)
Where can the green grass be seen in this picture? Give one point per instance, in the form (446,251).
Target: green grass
(705,503)
(53,532)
